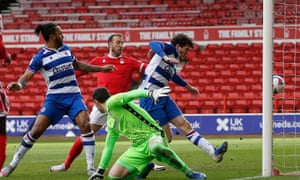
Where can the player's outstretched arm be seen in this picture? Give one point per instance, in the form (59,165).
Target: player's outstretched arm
(81,66)
(16,86)
(192,89)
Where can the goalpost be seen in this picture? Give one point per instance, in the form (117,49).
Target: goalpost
(267,117)
(281,120)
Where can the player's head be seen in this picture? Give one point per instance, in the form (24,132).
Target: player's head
(51,33)
(100,95)
(115,44)
(182,43)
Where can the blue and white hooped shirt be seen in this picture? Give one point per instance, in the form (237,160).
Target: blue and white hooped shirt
(56,66)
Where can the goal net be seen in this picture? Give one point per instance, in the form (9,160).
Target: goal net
(286,105)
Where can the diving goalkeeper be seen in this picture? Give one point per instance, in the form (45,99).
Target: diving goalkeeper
(147,137)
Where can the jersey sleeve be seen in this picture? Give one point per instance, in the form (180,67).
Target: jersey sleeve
(178,80)
(124,98)
(158,48)
(35,63)
(138,66)
(110,141)
(94,61)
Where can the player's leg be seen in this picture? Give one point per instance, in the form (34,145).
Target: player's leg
(168,132)
(41,124)
(125,167)
(174,115)
(134,163)
(3,139)
(4,108)
(165,154)
(72,154)
(50,115)
(97,121)
(193,136)
(78,112)
(87,138)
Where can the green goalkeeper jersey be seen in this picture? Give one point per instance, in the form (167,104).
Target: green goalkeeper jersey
(127,119)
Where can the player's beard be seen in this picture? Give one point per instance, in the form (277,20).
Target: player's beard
(58,42)
(117,52)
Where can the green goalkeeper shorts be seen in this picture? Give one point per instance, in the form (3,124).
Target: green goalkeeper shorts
(138,157)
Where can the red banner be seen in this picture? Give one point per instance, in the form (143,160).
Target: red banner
(98,37)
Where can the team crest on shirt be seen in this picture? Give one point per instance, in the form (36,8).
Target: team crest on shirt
(121,60)
(169,69)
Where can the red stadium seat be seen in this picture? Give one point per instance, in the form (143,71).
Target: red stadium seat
(189,110)
(207,110)
(213,46)
(221,66)
(87,49)
(228,59)
(242,46)
(255,106)
(228,46)
(234,80)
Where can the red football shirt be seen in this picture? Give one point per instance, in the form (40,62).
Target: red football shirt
(3,52)
(120,79)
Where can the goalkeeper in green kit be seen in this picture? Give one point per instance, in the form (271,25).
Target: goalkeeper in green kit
(148,139)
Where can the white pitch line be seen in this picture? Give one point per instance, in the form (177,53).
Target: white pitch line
(245,178)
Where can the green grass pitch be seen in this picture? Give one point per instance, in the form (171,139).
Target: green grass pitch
(242,161)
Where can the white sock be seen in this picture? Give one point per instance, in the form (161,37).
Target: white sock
(88,141)
(25,145)
(201,142)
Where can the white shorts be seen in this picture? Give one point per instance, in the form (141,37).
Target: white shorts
(96,117)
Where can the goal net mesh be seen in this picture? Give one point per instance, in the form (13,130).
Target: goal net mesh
(286,63)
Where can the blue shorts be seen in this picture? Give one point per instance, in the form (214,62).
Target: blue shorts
(56,106)
(164,111)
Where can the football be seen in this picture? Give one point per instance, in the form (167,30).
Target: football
(278,84)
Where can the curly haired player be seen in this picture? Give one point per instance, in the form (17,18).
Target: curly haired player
(158,73)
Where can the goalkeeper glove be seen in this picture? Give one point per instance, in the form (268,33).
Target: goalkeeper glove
(99,174)
(157,93)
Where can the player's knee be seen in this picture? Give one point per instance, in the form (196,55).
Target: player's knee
(155,148)
(158,148)
(85,127)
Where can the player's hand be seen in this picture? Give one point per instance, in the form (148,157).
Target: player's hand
(7,61)
(99,174)
(193,90)
(14,86)
(157,93)
(108,68)
(171,60)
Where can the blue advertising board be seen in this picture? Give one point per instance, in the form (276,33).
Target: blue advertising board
(214,124)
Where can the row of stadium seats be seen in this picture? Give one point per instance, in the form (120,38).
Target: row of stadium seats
(135,13)
(145,13)
(229,86)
